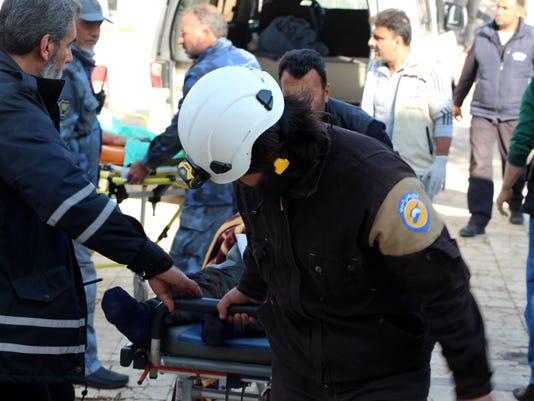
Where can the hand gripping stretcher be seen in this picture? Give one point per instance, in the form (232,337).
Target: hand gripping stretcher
(242,364)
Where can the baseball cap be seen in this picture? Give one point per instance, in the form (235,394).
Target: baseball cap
(92,11)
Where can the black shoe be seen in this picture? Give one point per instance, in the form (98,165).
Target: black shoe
(471,230)
(106,379)
(524,393)
(516,218)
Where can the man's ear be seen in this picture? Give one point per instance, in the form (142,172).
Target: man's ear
(46,47)
(399,40)
(326,92)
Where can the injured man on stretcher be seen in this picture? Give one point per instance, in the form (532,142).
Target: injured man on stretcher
(221,272)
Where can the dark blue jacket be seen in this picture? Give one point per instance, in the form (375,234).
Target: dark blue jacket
(45,200)
(352,117)
(501,72)
(78,107)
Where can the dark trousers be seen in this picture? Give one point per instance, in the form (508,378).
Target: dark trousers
(482,137)
(37,392)
(288,385)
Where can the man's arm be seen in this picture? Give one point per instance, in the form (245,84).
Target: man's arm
(439,95)
(429,264)
(467,78)
(440,278)
(369,90)
(520,147)
(162,148)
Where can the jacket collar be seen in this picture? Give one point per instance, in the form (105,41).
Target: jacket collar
(43,90)
(86,58)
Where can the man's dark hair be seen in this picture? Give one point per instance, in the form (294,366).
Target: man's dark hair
(23,23)
(301,61)
(396,21)
(298,136)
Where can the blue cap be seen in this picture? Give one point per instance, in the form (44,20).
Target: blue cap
(92,11)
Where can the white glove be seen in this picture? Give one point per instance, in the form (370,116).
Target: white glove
(434,176)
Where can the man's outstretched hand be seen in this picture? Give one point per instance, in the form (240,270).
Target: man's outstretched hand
(137,173)
(174,283)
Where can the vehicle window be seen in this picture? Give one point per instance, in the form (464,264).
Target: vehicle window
(424,16)
(343,4)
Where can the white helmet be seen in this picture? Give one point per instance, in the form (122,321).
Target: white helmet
(222,116)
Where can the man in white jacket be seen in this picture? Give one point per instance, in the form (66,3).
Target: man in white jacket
(412,97)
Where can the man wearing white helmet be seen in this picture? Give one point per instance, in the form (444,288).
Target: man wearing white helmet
(356,273)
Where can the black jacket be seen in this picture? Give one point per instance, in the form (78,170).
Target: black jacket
(45,200)
(359,273)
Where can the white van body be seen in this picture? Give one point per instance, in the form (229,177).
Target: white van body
(346,69)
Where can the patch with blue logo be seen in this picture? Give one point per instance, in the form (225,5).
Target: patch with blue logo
(414,212)
(64,108)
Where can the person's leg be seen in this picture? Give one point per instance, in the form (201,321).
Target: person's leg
(215,280)
(61,392)
(413,385)
(198,225)
(37,392)
(506,130)
(288,385)
(483,134)
(529,310)
(527,393)
(95,374)
(88,270)
(133,319)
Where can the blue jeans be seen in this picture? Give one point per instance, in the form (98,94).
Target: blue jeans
(87,267)
(529,310)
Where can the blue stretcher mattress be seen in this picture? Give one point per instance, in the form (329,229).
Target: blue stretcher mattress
(186,341)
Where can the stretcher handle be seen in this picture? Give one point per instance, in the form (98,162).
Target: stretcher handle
(209,305)
(202,305)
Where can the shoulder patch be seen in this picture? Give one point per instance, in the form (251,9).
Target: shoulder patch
(406,221)
(64,107)
(414,212)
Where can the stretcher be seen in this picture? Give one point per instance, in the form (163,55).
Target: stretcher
(163,181)
(242,366)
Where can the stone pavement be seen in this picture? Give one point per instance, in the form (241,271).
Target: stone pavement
(497,263)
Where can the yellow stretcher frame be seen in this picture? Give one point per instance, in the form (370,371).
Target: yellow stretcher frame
(115,177)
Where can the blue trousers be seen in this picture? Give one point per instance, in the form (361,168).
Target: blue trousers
(87,267)
(198,225)
(529,310)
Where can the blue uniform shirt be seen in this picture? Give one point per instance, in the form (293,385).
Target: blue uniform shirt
(78,111)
